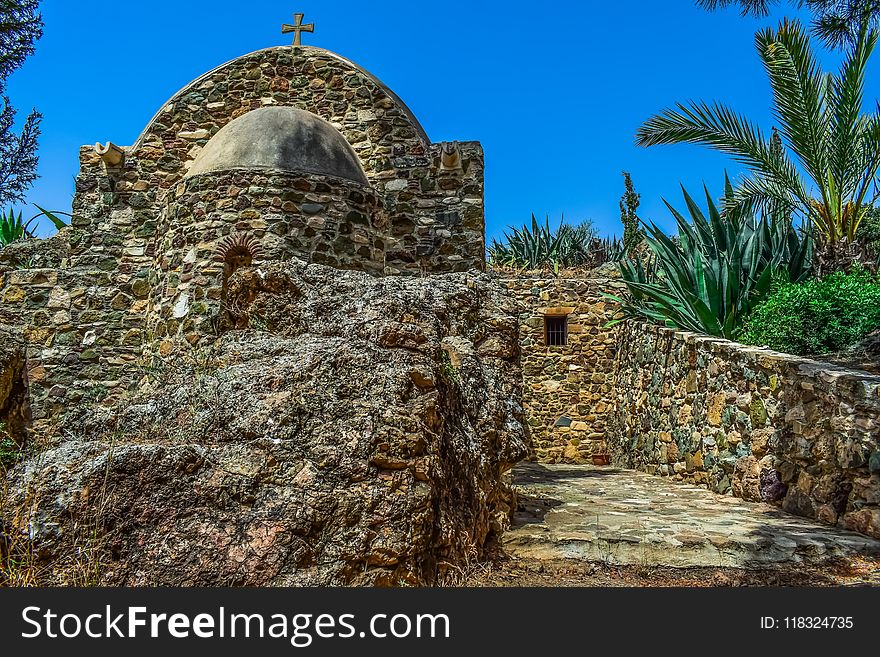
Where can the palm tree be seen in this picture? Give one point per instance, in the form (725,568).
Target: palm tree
(822,133)
(836,22)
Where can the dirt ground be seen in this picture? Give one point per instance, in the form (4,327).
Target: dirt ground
(516,572)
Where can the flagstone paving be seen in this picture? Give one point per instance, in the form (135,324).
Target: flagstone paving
(627,517)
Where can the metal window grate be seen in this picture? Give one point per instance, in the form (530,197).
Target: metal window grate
(556,331)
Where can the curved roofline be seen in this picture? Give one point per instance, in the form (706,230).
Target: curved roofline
(283,138)
(313,49)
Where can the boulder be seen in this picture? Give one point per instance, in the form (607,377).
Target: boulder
(349,431)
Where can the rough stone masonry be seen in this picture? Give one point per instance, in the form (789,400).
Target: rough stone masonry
(741,421)
(264,351)
(760,425)
(228,173)
(567,389)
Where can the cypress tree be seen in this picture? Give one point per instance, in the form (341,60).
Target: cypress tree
(20,27)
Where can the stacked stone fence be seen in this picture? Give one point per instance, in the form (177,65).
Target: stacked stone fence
(739,420)
(761,425)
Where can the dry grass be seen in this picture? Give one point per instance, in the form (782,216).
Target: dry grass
(23,563)
(472,568)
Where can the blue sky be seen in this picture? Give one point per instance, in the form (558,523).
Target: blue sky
(554,91)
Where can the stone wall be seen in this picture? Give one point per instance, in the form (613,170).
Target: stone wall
(280,216)
(758,424)
(81,299)
(739,420)
(566,389)
(436,212)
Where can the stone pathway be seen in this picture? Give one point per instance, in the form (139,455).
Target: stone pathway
(626,517)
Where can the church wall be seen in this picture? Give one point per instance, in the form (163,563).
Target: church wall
(318,219)
(567,390)
(444,208)
(437,216)
(84,335)
(80,297)
(84,315)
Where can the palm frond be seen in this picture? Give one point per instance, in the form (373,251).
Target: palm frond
(848,126)
(799,91)
(719,127)
(823,162)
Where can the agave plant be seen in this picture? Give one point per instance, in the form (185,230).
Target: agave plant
(609,249)
(718,268)
(53,217)
(537,246)
(12,228)
(821,123)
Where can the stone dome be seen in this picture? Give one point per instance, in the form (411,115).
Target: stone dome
(282,139)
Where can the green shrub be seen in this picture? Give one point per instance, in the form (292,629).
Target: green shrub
(816,317)
(869,235)
(10,452)
(869,229)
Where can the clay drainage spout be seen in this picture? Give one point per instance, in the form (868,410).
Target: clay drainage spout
(111,154)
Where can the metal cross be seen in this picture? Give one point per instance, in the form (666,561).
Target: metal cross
(297,28)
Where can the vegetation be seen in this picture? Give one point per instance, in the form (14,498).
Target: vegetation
(629,206)
(869,232)
(12,227)
(818,316)
(10,451)
(710,277)
(537,246)
(734,276)
(836,22)
(822,130)
(20,27)
(22,561)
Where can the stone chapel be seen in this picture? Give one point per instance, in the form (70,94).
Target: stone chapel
(288,152)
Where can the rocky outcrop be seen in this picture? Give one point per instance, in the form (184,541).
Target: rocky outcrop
(13,383)
(349,430)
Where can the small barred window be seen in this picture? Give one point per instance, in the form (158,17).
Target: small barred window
(555,331)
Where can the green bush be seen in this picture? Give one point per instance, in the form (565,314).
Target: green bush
(869,229)
(10,452)
(869,235)
(816,317)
